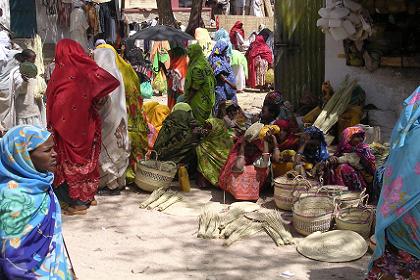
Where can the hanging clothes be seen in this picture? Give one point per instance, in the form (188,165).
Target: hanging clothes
(78,27)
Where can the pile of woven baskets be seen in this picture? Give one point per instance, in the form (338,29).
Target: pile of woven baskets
(321,208)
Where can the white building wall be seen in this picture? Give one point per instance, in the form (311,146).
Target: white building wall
(386,88)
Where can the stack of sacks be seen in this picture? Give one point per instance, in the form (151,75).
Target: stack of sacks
(345,19)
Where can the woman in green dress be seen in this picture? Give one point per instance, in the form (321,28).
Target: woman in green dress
(199,85)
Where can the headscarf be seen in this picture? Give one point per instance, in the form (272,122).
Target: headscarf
(199,84)
(100,42)
(181,106)
(28,206)
(237,28)
(274,98)
(76,84)
(219,60)
(204,40)
(321,153)
(398,211)
(362,150)
(222,34)
(175,140)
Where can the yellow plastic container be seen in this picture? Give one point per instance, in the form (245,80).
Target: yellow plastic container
(184,179)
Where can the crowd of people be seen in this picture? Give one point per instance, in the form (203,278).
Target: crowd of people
(98,128)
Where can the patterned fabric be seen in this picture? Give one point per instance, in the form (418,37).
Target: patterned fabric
(347,175)
(222,34)
(76,84)
(199,85)
(213,150)
(176,75)
(398,211)
(321,153)
(274,98)
(137,127)
(291,141)
(260,49)
(115,153)
(395,264)
(155,114)
(204,40)
(30,218)
(261,68)
(175,140)
(244,185)
(219,62)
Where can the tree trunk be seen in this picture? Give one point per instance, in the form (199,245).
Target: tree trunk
(166,15)
(195,20)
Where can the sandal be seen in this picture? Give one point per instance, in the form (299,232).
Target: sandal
(70,211)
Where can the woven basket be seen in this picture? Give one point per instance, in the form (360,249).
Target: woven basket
(313,213)
(286,191)
(332,190)
(153,174)
(357,219)
(350,199)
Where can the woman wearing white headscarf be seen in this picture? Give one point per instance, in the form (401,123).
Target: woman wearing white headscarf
(115,150)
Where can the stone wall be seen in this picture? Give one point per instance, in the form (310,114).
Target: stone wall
(386,88)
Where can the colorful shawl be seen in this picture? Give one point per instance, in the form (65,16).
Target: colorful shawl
(222,34)
(321,153)
(137,127)
(115,152)
(199,85)
(368,160)
(219,62)
(76,84)
(204,40)
(213,150)
(30,215)
(177,72)
(175,140)
(261,49)
(237,28)
(398,211)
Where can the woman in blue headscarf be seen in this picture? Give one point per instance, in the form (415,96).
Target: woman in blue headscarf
(225,78)
(397,232)
(30,217)
(222,34)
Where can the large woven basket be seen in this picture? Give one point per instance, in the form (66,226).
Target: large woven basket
(357,219)
(286,191)
(313,213)
(153,174)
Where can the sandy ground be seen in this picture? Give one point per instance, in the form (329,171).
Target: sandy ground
(117,240)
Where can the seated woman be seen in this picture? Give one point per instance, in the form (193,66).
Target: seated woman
(247,166)
(397,230)
(30,215)
(275,107)
(313,149)
(155,115)
(355,165)
(213,150)
(178,137)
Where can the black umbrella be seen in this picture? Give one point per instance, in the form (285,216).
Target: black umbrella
(161,33)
